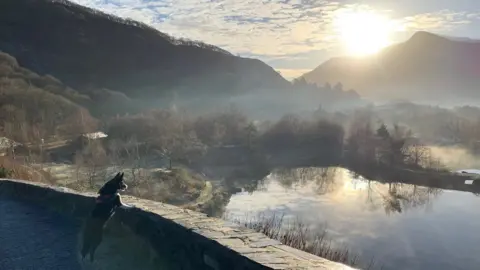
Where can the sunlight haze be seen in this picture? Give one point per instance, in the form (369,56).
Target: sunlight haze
(363,33)
(272,134)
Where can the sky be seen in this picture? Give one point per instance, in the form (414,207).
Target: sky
(295,36)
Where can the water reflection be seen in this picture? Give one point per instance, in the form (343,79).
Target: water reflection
(333,181)
(325,179)
(402,226)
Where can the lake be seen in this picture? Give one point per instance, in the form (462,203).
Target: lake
(400,226)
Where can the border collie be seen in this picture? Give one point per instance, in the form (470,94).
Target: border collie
(105,205)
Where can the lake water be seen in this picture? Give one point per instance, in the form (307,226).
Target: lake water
(401,226)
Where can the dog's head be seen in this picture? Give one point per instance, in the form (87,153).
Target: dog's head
(113,186)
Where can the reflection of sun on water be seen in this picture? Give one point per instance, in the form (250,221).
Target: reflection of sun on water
(351,182)
(363,33)
(313,193)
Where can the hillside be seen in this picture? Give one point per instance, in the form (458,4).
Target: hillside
(88,49)
(34,107)
(426,67)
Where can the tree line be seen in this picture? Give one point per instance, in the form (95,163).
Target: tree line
(322,142)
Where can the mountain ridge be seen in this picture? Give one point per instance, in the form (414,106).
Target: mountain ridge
(423,65)
(69,41)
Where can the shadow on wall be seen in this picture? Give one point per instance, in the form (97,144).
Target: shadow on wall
(121,250)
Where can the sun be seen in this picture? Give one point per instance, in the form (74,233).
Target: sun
(363,33)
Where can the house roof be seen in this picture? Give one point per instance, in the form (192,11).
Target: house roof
(95,135)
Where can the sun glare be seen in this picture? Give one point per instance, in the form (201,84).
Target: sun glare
(363,33)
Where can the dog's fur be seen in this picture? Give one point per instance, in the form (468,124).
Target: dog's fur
(105,206)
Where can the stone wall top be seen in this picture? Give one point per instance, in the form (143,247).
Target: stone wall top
(191,238)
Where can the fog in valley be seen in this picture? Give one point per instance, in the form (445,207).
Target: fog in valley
(370,159)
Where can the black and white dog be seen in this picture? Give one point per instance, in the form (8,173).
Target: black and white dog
(105,206)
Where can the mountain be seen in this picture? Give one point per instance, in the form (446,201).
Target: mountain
(34,107)
(87,49)
(464,39)
(426,67)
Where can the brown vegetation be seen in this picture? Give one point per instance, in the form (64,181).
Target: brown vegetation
(9,168)
(300,236)
(175,185)
(33,107)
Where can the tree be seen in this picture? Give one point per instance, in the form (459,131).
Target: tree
(338,87)
(418,154)
(252,134)
(186,149)
(382,132)
(282,136)
(361,142)
(392,148)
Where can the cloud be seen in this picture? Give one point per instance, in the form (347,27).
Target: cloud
(268,28)
(273,28)
(444,20)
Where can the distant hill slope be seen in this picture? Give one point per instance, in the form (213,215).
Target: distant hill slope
(88,49)
(34,107)
(426,67)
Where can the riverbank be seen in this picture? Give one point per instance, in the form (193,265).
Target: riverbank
(442,179)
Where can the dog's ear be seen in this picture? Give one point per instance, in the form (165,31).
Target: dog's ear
(119,176)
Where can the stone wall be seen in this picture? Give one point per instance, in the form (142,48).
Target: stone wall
(177,238)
